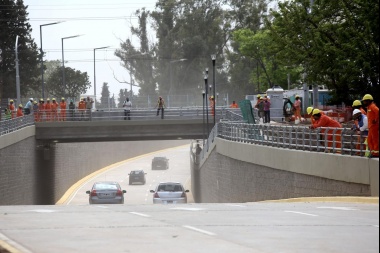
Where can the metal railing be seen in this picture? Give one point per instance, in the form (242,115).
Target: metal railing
(11,125)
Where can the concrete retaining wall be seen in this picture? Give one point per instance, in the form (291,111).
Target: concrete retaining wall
(33,172)
(240,172)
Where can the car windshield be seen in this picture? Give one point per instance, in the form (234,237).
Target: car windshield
(170,187)
(136,172)
(104,186)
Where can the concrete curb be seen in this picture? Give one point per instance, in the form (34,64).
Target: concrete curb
(348,199)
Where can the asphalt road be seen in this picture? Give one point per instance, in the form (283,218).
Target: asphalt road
(140,226)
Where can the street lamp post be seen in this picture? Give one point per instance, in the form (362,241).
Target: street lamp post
(42,58)
(206,104)
(95,70)
(170,74)
(203,95)
(213,58)
(63,64)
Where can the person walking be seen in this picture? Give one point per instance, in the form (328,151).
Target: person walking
(326,121)
(266,110)
(234,105)
(373,125)
(62,112)
(297,106)
(361,127)
(127,109)
(160,106)
(212,105)
(28,107)
(12,108)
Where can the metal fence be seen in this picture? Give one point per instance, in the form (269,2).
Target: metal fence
(343,141)
(11,125)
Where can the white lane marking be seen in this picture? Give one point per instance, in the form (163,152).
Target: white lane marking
(14,244)
(42,211)
(187,208)
(235,205)
(338,208)
(309,214)
(199,230)
(140,214)
(102,206)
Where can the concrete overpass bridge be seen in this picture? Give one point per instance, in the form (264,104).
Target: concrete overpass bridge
(239,162)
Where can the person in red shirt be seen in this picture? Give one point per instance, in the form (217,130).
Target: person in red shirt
(326,121)
(41,110)
(20,112)
(54,110)
(62,106)
(373,124)
(82,108)
(212,105)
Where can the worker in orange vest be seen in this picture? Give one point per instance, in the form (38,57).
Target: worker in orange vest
(48,110)
(41,110)
(20,112)
(358,105)
(297,106)
(326,121)
(373,125)
(309,112)
(12,108)
(234,105)
(54,110)
(62,106)
(82,108)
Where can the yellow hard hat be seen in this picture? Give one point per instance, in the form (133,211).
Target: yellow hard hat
(62,98)
(11,101)
(357,103)
(48,99)
(34,102)
(20,105)
(53,99)
(41,99)
(309,110)
(316,111)
(367,97)
(258,96)
(297,96)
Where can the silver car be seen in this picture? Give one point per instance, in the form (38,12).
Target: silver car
(169,193)
(106,192)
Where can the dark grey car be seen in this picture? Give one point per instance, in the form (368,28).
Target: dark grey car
(160,163)
(106,192)
(137,176)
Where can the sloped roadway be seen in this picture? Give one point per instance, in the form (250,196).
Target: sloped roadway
(139,226)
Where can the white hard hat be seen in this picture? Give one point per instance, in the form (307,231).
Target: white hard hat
(356,111)
(31,99)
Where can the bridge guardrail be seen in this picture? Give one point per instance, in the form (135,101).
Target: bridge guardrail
(11,125)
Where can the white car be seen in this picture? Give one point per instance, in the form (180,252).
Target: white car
(169,193)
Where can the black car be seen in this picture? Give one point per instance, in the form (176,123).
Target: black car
(160,163)
(137,176)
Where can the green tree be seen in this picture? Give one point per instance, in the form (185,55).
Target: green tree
(14,22)
(336,42)
(105,98)
(76,83)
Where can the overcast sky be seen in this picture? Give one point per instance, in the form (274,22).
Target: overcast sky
(100,22)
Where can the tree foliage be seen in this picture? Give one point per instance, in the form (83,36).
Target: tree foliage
(336,42)
(76,83)
(14,22)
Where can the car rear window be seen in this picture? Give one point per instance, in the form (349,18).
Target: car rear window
(106,187)
(136,172)
(170,187)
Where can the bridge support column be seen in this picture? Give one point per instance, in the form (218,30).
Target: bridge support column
(45,174)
